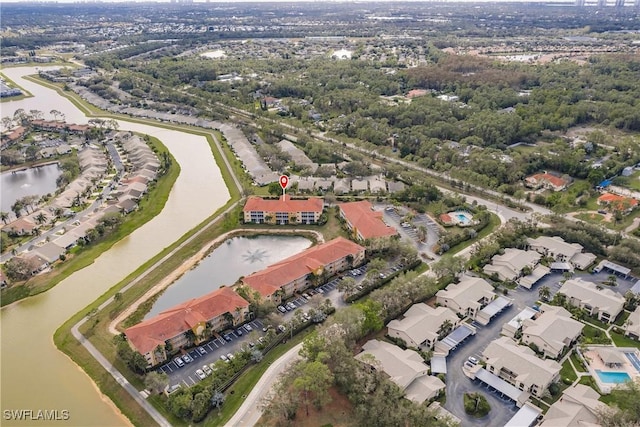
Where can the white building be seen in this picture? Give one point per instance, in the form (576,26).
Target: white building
(562,251)
(467,297)
(552,331)
(603,303)
(520,366)
(510,265)
(421,325)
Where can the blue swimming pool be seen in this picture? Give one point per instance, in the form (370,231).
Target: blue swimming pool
(462,218)
(613,377)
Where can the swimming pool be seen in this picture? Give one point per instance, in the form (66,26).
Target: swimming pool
(463,218)
(613,377)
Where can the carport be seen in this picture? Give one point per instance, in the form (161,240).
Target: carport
(451,341)
(525,417)
(613,268)
(438,364)
(500,385)
(494,307)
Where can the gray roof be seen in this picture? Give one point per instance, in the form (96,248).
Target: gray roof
(499,384)
(525,417)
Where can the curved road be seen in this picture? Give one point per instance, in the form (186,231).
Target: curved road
(250,411)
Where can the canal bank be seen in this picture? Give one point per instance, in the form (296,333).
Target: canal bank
(28,356)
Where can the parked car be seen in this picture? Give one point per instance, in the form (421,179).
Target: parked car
(202,350)
(178,362)
(239,332)
(187,358)
(248,328)
(200,374)
(306,296)
(473,360)
(291,305)
(223,357)
(227,337)
(282,309)
(230,356)
(282,328)
(207,370)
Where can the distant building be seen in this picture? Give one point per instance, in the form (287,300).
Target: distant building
(364,222)
(282,211)
(213,312)
(546,180)
(297,273)
(625,204)
(631,326)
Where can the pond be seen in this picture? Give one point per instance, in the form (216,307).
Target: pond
(236,257)
(36,181)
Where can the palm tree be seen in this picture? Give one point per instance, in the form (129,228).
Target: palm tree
(41,218)
(544,293)
(229,318)
(191,336)
(4,216)
(445,328)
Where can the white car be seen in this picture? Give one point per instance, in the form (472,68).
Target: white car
(178,362)
(248,328)
(223,357)
(473,360)
(230,356)
(207,370)
(200,374)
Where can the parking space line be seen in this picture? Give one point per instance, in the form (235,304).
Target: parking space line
(192,380)
(169,368)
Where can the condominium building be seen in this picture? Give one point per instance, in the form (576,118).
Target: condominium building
(283,210)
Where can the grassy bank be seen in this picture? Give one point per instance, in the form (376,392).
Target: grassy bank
(149,207)
(25,93)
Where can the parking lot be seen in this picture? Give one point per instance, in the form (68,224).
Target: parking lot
(394,216)
(210,352)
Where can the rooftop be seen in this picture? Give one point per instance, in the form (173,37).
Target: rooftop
(283,204)
(269,280)
(365,220)
(150,333)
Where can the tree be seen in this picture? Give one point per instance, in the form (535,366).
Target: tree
(544,293)
(448,265)
(626,409)
(346,285)
(445,328)
(55,114)
(18,268)
(217,399)
(313,382)
(200,405)
(373,320)
(4,216)
(156,381)
(41,218)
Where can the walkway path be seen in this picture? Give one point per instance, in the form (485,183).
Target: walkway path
(250,411)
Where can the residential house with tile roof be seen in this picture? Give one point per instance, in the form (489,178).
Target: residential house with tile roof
(298,272)
(365,223)
(214,311)
(283,210)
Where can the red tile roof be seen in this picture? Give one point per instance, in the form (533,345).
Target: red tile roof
(552,179)
(148,334)
(365,220)
(283,204)
(614,198)
(269,280)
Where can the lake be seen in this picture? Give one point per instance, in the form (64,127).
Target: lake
(36,181)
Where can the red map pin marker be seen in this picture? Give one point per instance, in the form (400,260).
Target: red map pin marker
(284,181)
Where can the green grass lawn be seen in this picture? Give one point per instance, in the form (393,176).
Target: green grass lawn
(494,223)
(622,341)
(591,335)
(589,381)
(568,372)
(590,217)
(577,362)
